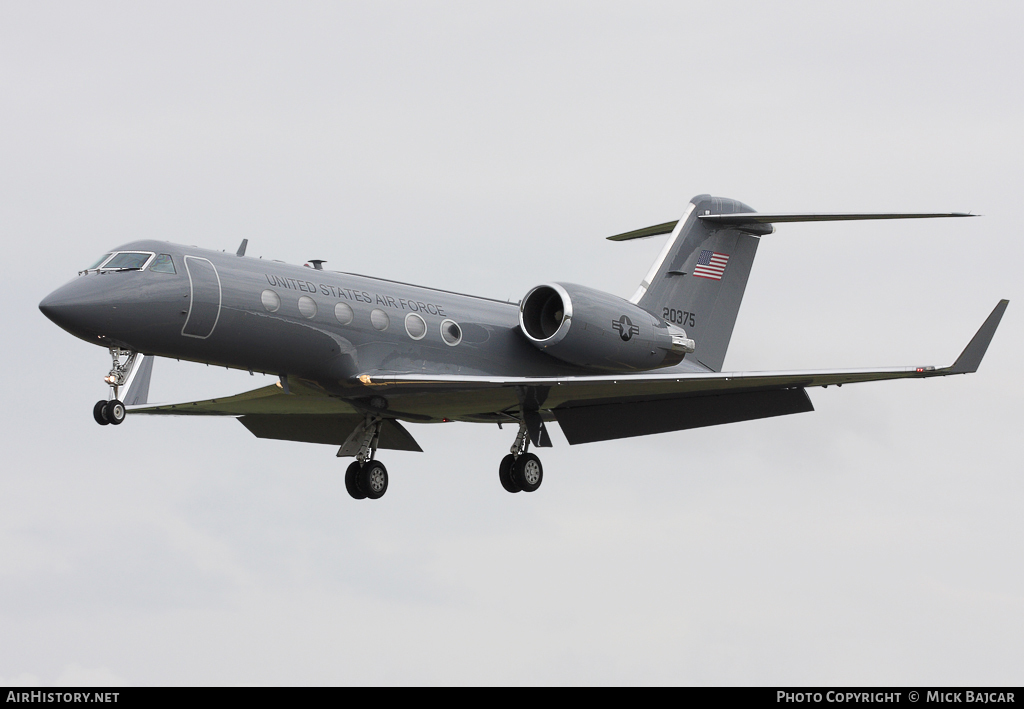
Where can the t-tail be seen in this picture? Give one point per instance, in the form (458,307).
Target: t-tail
(698,279)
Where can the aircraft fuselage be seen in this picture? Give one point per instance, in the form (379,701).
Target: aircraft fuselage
(269,316)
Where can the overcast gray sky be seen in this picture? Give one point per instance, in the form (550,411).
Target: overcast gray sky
(487,148)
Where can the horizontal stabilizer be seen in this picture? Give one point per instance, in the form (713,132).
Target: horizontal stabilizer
(655,230)
(758,218)
(748,218)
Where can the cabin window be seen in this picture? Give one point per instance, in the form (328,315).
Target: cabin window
(415,326)
(271,301)
(307,306)
(163,264)
(451,333)
(379,319)
(343,312)
(127,261)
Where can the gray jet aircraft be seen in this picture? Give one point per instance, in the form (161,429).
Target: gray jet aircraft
(357,358)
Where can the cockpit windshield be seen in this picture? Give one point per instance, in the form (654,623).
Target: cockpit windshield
(127,261)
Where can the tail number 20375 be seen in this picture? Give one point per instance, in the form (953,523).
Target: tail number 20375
(680,317)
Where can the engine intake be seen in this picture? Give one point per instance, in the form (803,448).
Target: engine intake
(597,330)
(545,313)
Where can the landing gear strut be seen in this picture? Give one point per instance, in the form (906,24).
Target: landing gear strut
(521,471)
(366,477)
(112,410)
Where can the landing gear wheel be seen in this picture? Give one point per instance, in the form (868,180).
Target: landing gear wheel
(352,481)
(99,414)
(374,479)
(113,411)
(527,472)
(505,474)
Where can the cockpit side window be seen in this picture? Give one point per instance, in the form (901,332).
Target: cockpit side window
(127,261)
(100,260)
(163,264)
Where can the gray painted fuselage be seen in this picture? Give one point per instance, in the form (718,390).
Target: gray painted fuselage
(220,318)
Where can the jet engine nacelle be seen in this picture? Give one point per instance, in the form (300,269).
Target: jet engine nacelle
(597,330)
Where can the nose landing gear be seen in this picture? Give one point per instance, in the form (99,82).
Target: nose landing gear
(112,410)
(108,412)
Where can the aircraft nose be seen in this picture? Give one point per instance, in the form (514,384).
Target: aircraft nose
(60,307)
(73,307)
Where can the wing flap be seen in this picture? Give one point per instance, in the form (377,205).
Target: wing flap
(602,422)
(332,429)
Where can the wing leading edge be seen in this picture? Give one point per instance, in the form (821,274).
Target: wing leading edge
(301,398)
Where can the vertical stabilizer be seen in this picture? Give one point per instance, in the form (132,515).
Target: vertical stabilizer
(698,280)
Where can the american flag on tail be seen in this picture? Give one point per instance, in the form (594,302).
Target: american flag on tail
(710,264)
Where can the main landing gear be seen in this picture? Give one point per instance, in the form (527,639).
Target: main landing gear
(366,477)
(112,410)
(521,471)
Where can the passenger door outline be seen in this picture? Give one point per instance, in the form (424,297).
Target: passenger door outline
(201,312)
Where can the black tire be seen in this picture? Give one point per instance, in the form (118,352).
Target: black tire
(374,479)
(352,481)
(114,412)
(99,414)
(528,473)
(505,474)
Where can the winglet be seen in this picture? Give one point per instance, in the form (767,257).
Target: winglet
(970,358)
(241,249)
(138,383)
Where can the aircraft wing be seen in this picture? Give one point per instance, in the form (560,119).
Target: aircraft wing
(601,407)
(605,385)
(587,408)
(303,413)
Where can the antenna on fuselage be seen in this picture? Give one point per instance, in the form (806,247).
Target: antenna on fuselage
(241,249)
